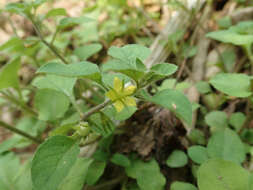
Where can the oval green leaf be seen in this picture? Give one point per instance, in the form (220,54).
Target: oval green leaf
(222,175)
(81,69)
(52,162)
(178,185)
(51,104)
(176,102)
(177,159)
(227,145)
(198,154)
(232,84)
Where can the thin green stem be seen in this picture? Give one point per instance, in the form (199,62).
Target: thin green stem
(20,104)
(50,46)
(13,27)
(18,131)
(54,37)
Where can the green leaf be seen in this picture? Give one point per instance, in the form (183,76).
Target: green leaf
(121,160)
(147,174)
(129,53)
(197,136)
(8,144)
(164,69)
(13,175)
(51,104)
(102,124)
(198,154)
(216,120)
(31,126)
(251,181)
(225,22)
(62,130)
(82,69)
(37,3)
(9,164)
(203,87)
(176,102)
(182,186)
(23,9)
(222,175)
(189,51)
(72,21)
(237,120)
(243,27)
(177,159)
(128,60)
(228,36)
(247,136)
(160,71)
(126,113)
(237,85)
(9,75)
(12,43)
(170,83)
(77,175)
(229,59)
(54,82)
(226,145)
(56,12)
(53,161)
(95,171)
(23,177)
(128,69)
(86,51)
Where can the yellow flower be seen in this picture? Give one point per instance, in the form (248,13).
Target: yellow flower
(120,95)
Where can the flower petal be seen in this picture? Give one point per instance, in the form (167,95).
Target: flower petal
(117,84)
(130,101)
(111,94)
(119,106)
(129,90)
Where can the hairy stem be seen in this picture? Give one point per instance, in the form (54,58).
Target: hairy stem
(95,109)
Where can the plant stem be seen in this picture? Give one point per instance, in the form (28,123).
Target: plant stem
(54,36)
(55,51)
(19,103)
(18,131)
(50,46)
(95,109)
